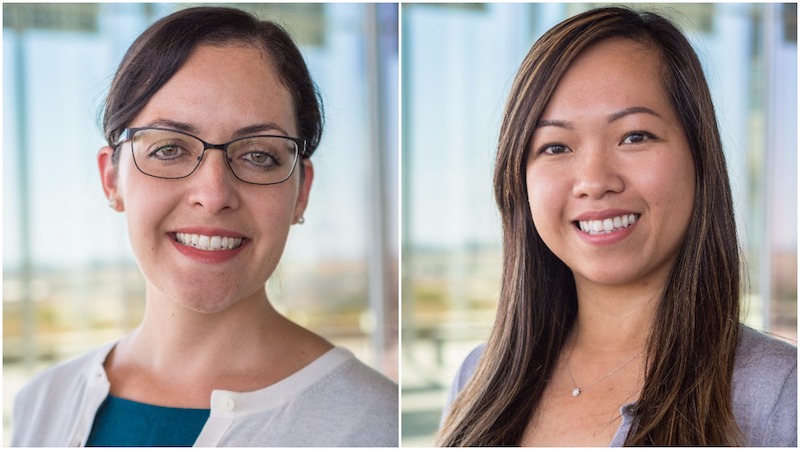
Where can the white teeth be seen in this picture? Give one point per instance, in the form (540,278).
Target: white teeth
(209,243)
(607,225)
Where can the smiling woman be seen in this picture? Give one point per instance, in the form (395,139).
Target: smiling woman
(618,320)
(622,154)
(211,168)
(212,202)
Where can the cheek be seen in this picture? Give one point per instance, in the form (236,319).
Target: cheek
(145,209)
(276,206)
(146,201)
(129,182)
(672,189)
(546,196)
(675,177)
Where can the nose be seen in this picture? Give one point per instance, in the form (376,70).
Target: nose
(214,186)
(597,174)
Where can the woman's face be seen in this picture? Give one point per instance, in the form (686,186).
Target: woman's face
(220,94)
(610,176)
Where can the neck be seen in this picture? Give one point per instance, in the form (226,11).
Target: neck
(614,319)
(175,338)
(178,356)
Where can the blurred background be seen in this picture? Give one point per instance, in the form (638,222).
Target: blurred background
(459,61)
(69,279)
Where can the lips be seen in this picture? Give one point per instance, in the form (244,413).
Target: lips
(208,243)
(207,239)
(607,225)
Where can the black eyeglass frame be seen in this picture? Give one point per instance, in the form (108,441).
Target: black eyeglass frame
(128,133)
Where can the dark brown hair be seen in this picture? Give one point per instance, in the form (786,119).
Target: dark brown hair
(159,52)
(686,396)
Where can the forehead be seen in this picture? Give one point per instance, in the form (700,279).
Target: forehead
(614,72)
(228,86)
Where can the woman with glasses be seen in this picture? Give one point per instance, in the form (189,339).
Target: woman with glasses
(210,121)
(618,320)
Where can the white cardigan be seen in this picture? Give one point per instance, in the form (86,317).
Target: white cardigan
(336,401)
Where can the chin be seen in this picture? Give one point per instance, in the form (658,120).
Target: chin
(608,276)
(210,296)
(208,301)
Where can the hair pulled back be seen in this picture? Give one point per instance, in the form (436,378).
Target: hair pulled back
(161,50)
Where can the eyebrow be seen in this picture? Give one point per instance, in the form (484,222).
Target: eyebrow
(611,118)
(632,110)
(259,128)
(172,124)
(241,132)
(554,123)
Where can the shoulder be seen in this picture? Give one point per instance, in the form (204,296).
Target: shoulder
(763,363)
(467,369)
(464,374)
(66,375)
(764,390)
(51,400)
(355,377)
(361,396)
(349,404)
(755,348)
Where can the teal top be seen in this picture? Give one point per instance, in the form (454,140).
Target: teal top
(125,423)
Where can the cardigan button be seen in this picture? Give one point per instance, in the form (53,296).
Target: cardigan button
(228,404)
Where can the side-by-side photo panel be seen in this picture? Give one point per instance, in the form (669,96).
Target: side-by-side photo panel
(200,225)
(599,210)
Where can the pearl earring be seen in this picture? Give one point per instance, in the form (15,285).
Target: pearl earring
(112,203)
(301,220)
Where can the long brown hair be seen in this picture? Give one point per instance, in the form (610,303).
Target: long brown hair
(686,397)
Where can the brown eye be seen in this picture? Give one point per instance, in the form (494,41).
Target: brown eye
(166,152)
(260,159)
(637,137)
(554,149)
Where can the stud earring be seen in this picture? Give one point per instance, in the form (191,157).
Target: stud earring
(301,220)
(112,203)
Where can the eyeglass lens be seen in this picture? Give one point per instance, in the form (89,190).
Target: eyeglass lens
(171,154)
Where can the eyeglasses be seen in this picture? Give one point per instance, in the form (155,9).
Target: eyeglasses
(171,154)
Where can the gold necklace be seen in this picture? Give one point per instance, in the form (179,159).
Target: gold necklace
(576,391)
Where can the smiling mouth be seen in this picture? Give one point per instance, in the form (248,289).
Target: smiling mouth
(606,226)
(208,243)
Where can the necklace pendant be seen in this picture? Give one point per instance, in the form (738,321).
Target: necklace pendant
(576,392)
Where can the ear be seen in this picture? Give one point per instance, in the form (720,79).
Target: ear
(109,175)
(305,190)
